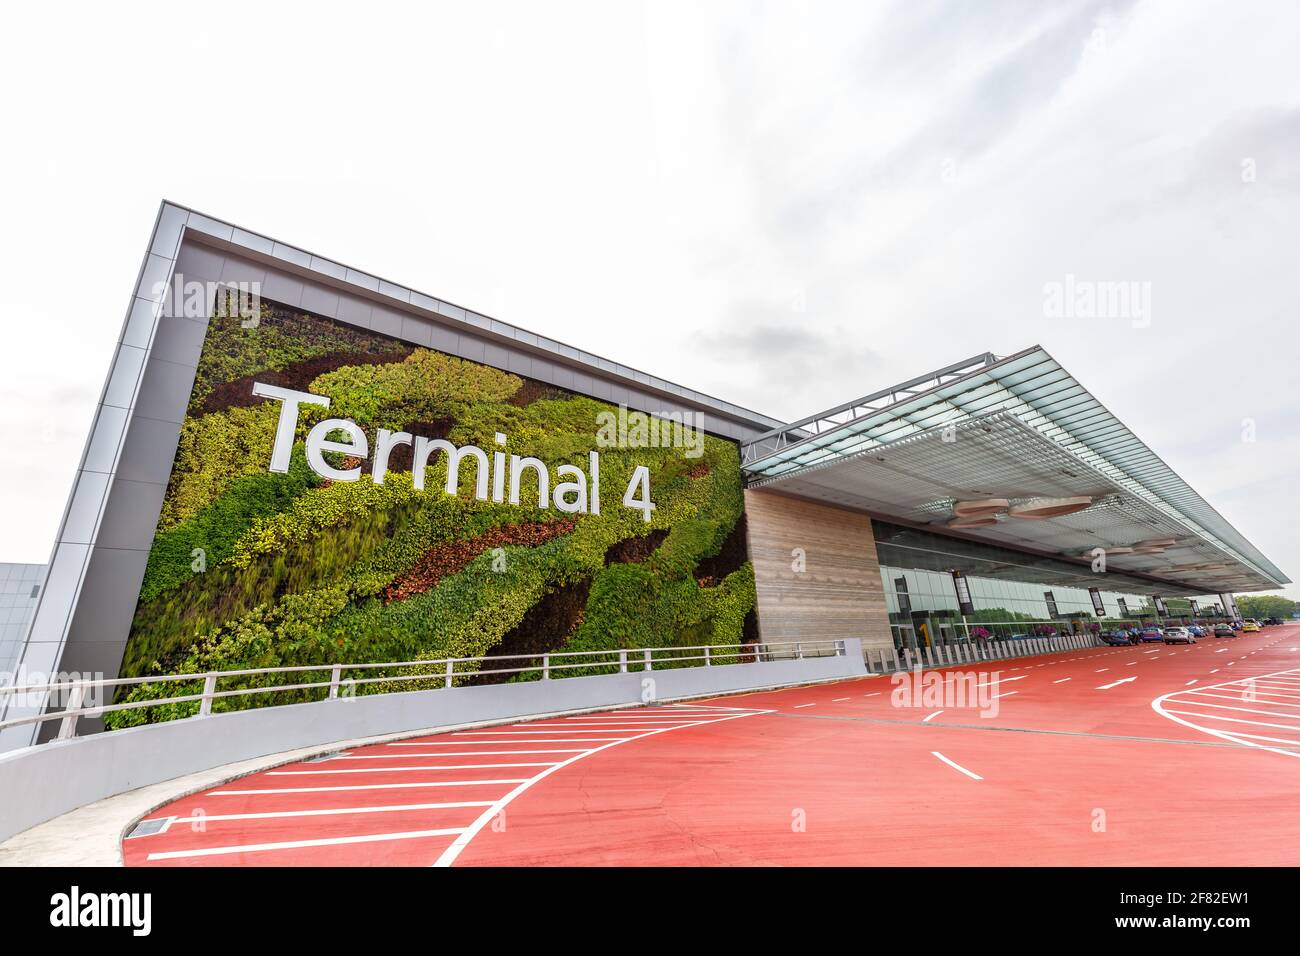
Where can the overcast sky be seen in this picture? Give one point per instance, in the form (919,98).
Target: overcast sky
(785,205)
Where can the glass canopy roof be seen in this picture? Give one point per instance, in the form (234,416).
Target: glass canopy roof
(1038,411)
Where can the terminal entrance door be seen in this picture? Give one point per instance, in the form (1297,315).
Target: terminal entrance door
(906,637)
(923,630)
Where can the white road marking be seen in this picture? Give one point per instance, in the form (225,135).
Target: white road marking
(461,766)
(1062,680)
(1240,691)
(1123,680)
(498,743)
(449,855)
(514,733)
(368,786)
(932,716)
(296,844)
(457,753)
(399,808)
(956,766)
(1189,683)
(797,706)
(1236,720)
(836,700)
(1245,710)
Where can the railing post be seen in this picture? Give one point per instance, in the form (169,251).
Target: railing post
(546,667)
(335,672)
(798,650)
(708,661)
(648,665)
(209,688)
(622,662)
(71,711)
(451,668)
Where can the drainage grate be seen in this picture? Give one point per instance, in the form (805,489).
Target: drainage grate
(149,827)
(329,756)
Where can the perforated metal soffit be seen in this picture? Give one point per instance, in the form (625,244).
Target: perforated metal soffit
(1018,427)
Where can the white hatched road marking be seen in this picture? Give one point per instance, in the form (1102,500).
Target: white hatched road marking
(1244,690)
(668,719)
(408,769)
(367,786)
(409,755)
(296,844)
(498,743)
(449,855)
(274,815)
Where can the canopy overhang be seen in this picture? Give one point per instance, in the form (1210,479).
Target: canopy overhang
(1023,431)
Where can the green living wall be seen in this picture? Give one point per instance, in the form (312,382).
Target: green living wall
(253,569)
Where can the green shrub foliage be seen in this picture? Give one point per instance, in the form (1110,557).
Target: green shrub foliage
(251,569)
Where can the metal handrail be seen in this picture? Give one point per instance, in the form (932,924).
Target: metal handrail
(624,659)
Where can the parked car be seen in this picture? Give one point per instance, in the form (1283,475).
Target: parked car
(1224,630)
(1119,637)
(1179,635)
(1250,627)
(1151,635)
(1197,631)
(1273,621)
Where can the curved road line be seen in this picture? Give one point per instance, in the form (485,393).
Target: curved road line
(1158,706)
(448,856)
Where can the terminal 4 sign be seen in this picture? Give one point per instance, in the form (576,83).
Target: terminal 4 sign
(498,477)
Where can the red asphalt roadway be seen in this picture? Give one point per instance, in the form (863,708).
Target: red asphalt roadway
(1077,767)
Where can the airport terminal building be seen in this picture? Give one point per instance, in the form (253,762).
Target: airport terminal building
(294,461)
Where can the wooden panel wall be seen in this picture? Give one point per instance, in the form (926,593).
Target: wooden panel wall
(837,594)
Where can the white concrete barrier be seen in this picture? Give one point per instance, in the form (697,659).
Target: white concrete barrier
(41,782)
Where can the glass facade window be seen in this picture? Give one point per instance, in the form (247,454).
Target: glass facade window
(1008,589)
(20,586)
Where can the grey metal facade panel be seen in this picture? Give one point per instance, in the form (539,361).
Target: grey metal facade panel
(130,515)
(200,262)
(354,311)
(385,321)
(419,332)
(105,439)
(320,301)
(124,376)
(89,598)
(283,288)
(253,241)
(83,511)
(236,269)
(112,585)
(164,390)
(179,340)
(149,450)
